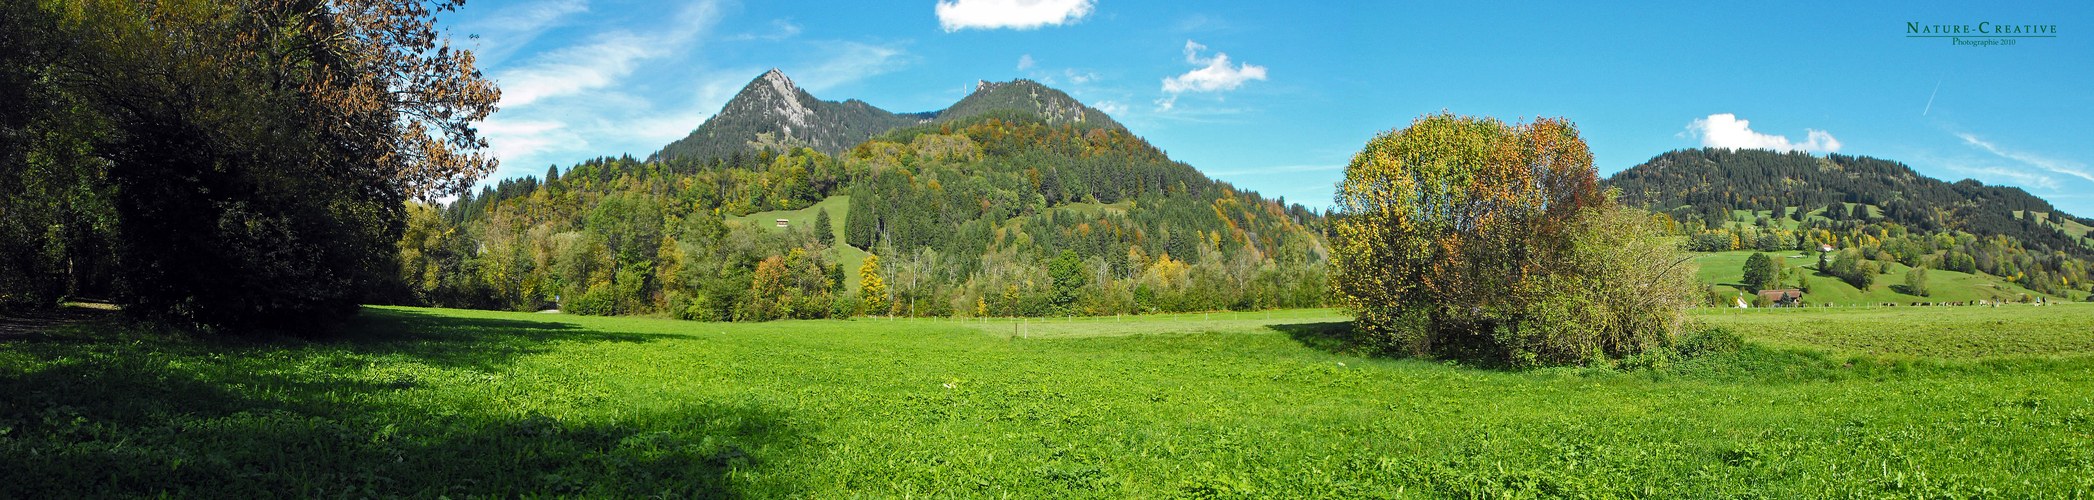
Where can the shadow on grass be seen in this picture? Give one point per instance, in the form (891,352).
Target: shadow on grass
(100,411)
(1331,336)
(450,341)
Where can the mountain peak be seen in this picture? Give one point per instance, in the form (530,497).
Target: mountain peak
(1027,96)
(771,112)
(778,82)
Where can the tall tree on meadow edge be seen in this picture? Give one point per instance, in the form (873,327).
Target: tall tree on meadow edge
(1916,281)
(1469,237)
(1069,278)
(824,231)
(871,287)
(1760,272)
(258,154)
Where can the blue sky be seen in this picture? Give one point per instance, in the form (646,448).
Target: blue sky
(1276,96)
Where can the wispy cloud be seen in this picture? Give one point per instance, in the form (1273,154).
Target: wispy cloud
(602,62)
(1025,62)
(1080,77)
(2053,165)
(2018,177)
(1110,107)
(510,30)
(781,29)
(576,69)
(1725,130)
(566,103)
(848,62)
(955,15)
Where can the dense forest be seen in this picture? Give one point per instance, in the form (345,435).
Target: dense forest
(1001,214)
(1869,208)
(231,166)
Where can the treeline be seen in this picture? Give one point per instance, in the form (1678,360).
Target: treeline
(233,166)
(1705,185)
(999,215)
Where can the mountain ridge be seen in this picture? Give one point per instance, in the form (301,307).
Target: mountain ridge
(773,113)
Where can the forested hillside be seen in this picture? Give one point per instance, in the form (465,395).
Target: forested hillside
(1002,211)
(771,113)
(1027,96)
(1872,209)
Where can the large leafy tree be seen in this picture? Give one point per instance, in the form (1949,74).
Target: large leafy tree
(1459,236)
(1759,272)
(258,153)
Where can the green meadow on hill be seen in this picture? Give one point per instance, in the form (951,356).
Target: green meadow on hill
(1725,272)
(435,402)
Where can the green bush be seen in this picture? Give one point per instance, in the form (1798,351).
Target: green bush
(600,300)
(1708,341)
(1470,238)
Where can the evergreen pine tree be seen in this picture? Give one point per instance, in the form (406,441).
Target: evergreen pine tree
(823,231)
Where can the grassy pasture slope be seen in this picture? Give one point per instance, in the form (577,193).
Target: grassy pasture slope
(838,206)
(1726,271)
(433,402)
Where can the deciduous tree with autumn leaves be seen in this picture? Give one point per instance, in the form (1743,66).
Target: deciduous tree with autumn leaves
(1469,237)
(248,160)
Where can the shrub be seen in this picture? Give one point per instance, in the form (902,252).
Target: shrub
(600,300)
(1469,237)
(1708,341)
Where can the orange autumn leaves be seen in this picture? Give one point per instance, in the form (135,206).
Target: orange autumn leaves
(1453,234)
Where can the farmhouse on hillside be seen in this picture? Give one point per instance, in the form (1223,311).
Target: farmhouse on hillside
(1786,297)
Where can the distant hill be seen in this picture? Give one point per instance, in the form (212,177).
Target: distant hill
(771,113)
(1028,97)
(1709,184)
(1875,212)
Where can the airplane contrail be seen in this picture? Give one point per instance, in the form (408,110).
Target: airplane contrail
(1930,98)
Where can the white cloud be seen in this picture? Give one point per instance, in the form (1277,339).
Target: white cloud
(1217,75)
(1025,62)
(2052,165)
(1725,130)
(955,15)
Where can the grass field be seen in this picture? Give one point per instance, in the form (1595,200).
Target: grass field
(425,403)
(1779,218)
(1726,270)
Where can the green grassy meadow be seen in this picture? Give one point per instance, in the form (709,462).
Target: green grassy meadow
(1726,271)
(430,402)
